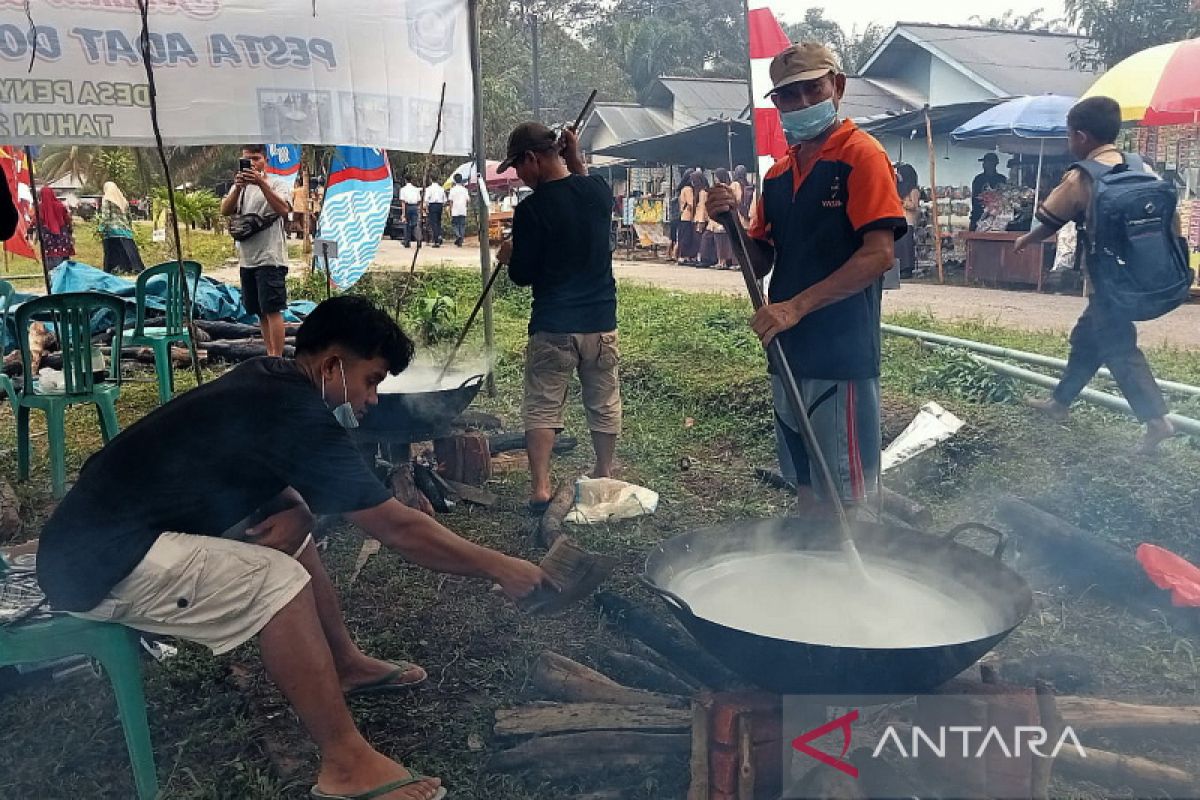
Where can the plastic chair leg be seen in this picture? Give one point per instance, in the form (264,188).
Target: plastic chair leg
(120,660)
(57,435)
(162,369)
(22,443)
(106,410)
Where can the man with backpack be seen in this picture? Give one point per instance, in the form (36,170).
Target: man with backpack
(1130,251)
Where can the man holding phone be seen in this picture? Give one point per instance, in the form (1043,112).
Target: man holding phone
(258,208)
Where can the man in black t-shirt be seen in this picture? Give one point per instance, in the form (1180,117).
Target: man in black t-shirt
(561,248)
(985,181)
(211,542)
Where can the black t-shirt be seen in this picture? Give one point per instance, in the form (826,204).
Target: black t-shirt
(198,465)
(562,250)
(983,183)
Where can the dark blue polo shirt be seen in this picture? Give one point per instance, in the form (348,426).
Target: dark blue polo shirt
(816,221)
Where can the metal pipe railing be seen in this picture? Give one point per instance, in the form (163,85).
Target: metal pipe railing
(1036,359)
(1111,402)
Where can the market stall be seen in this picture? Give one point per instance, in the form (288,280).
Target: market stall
(1034,126)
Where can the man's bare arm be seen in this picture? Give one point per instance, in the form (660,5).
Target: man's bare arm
(423,541)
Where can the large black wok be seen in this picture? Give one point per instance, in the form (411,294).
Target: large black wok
(796,667)
(414,416)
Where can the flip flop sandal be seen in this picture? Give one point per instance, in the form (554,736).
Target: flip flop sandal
(388,682)
(378,791)
(537,508)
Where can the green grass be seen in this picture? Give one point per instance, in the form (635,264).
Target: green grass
(693,385)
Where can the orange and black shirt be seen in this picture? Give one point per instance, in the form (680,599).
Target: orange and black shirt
(816,219)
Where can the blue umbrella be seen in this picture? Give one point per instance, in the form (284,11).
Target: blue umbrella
(1026,125)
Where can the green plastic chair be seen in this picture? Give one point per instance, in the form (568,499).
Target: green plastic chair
(116,648)
(6,384)
(175,330)
(71,315)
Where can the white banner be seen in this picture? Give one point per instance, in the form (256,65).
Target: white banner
(358,72)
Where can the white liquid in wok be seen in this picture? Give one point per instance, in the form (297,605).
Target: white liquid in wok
(424,378)
(818,599)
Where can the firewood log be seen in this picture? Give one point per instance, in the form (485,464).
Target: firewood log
(573,746)
(1088,563)
(641,674)
(552,522)
(560,678)
(540,719)
(1117,770)
(668,639)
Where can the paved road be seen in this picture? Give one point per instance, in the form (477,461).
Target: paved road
(1024,310)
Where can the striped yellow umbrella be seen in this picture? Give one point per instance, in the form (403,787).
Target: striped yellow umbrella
(1158,86)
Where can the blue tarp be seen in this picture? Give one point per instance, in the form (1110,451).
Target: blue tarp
(214,300)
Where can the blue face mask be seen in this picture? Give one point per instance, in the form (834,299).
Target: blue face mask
(344,413)
(808,123)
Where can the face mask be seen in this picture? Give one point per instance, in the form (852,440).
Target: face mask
(808,123)
(344,413)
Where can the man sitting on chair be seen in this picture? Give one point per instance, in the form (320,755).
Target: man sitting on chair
(195,523)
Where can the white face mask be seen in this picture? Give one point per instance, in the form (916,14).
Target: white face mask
(344,413)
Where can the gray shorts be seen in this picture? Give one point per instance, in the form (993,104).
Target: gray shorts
(845,417)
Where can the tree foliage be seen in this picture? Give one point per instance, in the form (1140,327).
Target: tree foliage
(1119,28)
(1010,20)
(852,48)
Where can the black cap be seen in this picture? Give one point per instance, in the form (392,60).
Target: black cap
(526,137)
(995,159)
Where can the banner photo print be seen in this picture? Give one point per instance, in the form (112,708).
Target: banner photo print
(355,72)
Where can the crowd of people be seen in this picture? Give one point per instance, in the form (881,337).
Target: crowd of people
(697,240)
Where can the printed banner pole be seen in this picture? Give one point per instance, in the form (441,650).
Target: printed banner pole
(37,216)
(485,250)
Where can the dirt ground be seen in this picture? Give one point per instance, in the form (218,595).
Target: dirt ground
(1015,309)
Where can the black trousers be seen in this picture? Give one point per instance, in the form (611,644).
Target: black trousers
(1102,338)
(412,223)
(435,222)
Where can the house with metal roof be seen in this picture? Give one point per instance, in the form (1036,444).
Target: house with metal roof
(957,71)
(672,104)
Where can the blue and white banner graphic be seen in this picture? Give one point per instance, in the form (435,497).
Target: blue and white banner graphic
(357,197)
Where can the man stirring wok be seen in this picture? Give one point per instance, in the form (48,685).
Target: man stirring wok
(824,227)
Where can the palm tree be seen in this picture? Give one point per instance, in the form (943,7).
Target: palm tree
(77,161)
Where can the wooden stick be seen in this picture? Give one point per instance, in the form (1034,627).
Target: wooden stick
(1042,769)
(569,747)
(553,718)
(551,525)
(1115,770)
(1096,715)
(937,226)
(563,679)
(698,786)
(745,786)
(1088,562)
(906,509)
(412,268)
(642,674)
(669,640)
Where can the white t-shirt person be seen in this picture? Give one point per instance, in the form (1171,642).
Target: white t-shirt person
(459,198)
(435,194)
(410,195)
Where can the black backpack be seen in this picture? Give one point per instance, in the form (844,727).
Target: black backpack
(1135,259)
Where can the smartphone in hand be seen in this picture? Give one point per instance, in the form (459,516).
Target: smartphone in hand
(245,164)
